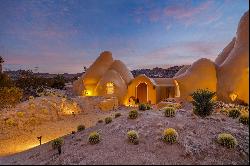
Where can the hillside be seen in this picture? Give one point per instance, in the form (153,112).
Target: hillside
(196,145)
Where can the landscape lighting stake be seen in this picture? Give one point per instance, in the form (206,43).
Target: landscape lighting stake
(40,140)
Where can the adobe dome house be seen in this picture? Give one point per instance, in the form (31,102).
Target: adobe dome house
(111,78)
(228,76)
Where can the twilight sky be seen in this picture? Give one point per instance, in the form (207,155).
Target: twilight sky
(65,35)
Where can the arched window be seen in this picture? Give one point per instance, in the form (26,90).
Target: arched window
(110,88)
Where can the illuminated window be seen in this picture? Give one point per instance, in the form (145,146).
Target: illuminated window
(110,88)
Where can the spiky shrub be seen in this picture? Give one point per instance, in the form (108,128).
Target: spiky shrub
(142,107)
(227,140)
(244,118)
(234,113)
(94,138)
(133,114)
(57,144)
(133,137)
(108,120)
(80,128)
(203,102)
(169,111)
(170,135)
(118,114)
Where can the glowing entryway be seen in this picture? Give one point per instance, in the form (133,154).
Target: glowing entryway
(142,92)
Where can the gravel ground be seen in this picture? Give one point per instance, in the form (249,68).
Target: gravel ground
(196,144)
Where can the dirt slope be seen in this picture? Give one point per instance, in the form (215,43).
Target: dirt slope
(196,145)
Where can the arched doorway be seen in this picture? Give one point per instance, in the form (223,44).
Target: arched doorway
(142,92)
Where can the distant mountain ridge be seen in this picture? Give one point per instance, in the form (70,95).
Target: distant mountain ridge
(158,72)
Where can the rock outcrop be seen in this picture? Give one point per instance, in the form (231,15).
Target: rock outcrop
(233,66)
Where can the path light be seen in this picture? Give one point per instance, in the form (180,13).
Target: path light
(40,139)
(233,96)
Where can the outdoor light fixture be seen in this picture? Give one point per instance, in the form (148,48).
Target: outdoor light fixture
(233,96)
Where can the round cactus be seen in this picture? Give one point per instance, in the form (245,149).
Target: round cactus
(57,143)
(133,137)
(227,140)
(142,107)
(234,113)
(108,120)
(170,136)
(94,138)
(169,111)
(80,128)
(244,118)
(133,114)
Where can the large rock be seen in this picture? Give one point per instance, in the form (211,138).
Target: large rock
(200,75)
(233,66)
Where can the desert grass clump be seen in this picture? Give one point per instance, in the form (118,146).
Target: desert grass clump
(94,137)
(170,135)
(80,128)
(234,113)
(203,102)
(108,120)
(244,118)
(133,137)
(118,114)
(227,140)
(169,111)
(133,114)
(57,144)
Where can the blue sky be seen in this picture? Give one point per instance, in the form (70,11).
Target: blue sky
(63,36)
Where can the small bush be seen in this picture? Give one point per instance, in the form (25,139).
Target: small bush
(148,107)
(234,113)
(94,138)
(20,114)
(9,97)
(133,114)
(169,111)
(224,111)
(133,137)
(244,118)
(100,121)
(203,102)
(142,107)
(108,120)
(11,122)
(170,136)
(118,114)
(80,128)
(56,143)
(227,140)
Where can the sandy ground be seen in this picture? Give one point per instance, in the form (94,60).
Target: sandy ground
(196,145)
(23,136)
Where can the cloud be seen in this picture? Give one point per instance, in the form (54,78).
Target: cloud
(185,14)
